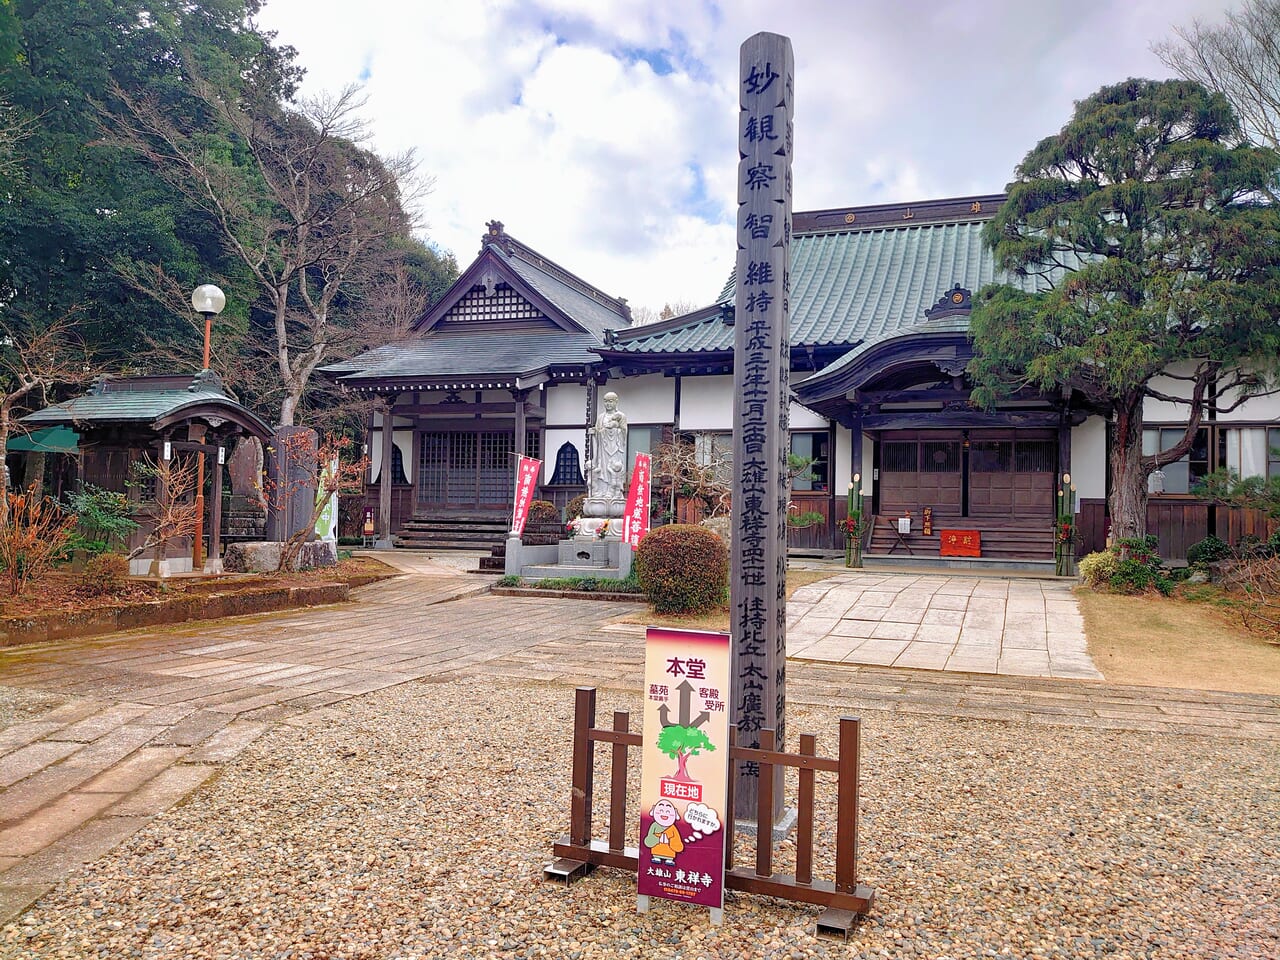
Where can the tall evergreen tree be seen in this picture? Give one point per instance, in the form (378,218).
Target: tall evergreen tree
(1156,253)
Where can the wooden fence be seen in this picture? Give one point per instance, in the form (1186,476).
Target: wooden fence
(1177,523)
(844,897)
(818,535)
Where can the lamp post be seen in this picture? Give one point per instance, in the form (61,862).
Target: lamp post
(207,300)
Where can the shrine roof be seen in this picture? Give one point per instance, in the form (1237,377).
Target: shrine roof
(150,400)
(458,354)
(470,332)
(857,274)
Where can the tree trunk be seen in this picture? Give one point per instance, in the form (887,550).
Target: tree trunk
(1128,475)
(682,762)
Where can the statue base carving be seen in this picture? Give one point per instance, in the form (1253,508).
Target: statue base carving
(601,507)
(606,529)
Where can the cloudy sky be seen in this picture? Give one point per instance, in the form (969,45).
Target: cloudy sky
(603,132)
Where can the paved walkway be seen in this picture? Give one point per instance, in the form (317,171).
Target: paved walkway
(1018,627)
(110,732)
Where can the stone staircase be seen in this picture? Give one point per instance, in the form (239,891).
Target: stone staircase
(535,535)
(1007,542)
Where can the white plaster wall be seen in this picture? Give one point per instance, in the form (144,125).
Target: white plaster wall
(802,418)
(1156,411)
(1266,409)
(844,450)
(552,440)
(706,403)
(567,403)
(647,399)
(1089,458)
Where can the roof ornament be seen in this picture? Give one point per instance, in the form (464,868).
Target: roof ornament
(956,300)
(496,233)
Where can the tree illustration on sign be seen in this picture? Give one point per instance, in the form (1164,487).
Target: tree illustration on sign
(681,743)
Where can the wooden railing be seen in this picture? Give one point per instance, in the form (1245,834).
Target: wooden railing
(844,897)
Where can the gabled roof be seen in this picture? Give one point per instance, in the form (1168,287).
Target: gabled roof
(457,355)
(577,317)
(157,401)
(857,274)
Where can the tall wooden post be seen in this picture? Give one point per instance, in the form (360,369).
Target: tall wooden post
(384,477)
(762,360)
(214,562)
(521,428)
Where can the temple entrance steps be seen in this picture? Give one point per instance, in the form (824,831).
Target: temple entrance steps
(462,532)
(1016,539)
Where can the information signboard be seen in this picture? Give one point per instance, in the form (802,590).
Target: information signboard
(684,766)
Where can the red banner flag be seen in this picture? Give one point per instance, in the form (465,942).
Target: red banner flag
(526,486)
(635,522)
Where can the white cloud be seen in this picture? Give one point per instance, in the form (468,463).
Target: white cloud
(603,133)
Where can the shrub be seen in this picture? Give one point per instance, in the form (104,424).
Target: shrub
(510,580)
(543,511)
(1207,551)
(682,568)
(103,575)
(574,509)
(1134,576)
(1097,569)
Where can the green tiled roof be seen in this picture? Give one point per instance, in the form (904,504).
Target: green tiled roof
(141,400)
(846,287)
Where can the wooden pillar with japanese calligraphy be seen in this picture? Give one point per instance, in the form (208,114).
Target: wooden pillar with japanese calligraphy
(762,360)
(384,473)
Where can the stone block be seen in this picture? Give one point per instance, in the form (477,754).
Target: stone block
(157,612)
(260,556)
(17,630)
(314,594)
(318,553)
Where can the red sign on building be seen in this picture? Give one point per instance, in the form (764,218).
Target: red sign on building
(526,486)
(959,543)
(635,522)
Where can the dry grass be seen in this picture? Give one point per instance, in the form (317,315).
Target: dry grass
(719,619)
(1170,642)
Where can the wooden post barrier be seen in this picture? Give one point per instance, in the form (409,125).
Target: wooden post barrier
(844,898)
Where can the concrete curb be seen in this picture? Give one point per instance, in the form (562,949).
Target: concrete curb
(64,625)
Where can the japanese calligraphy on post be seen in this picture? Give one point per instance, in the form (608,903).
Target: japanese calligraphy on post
(635,522)
(526,485)
(684,771)
(762,356)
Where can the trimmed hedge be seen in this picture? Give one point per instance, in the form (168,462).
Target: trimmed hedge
(682,568)
(543,511)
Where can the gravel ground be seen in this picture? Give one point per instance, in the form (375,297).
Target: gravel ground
(415,823)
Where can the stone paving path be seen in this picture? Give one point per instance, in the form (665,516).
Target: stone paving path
(1019,627)
(123,727)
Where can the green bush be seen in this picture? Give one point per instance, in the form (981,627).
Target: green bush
(682,568)
(1207,551)
(104,574)
(1097,569)
(574,508)
(1134,576)
(510,580)
(543,511)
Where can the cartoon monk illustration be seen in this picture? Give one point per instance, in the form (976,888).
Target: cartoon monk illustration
(663,839)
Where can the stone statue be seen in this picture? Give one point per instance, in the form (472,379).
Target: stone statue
(607,468)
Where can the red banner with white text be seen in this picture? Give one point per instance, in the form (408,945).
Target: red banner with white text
(635,522)
(526,487)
